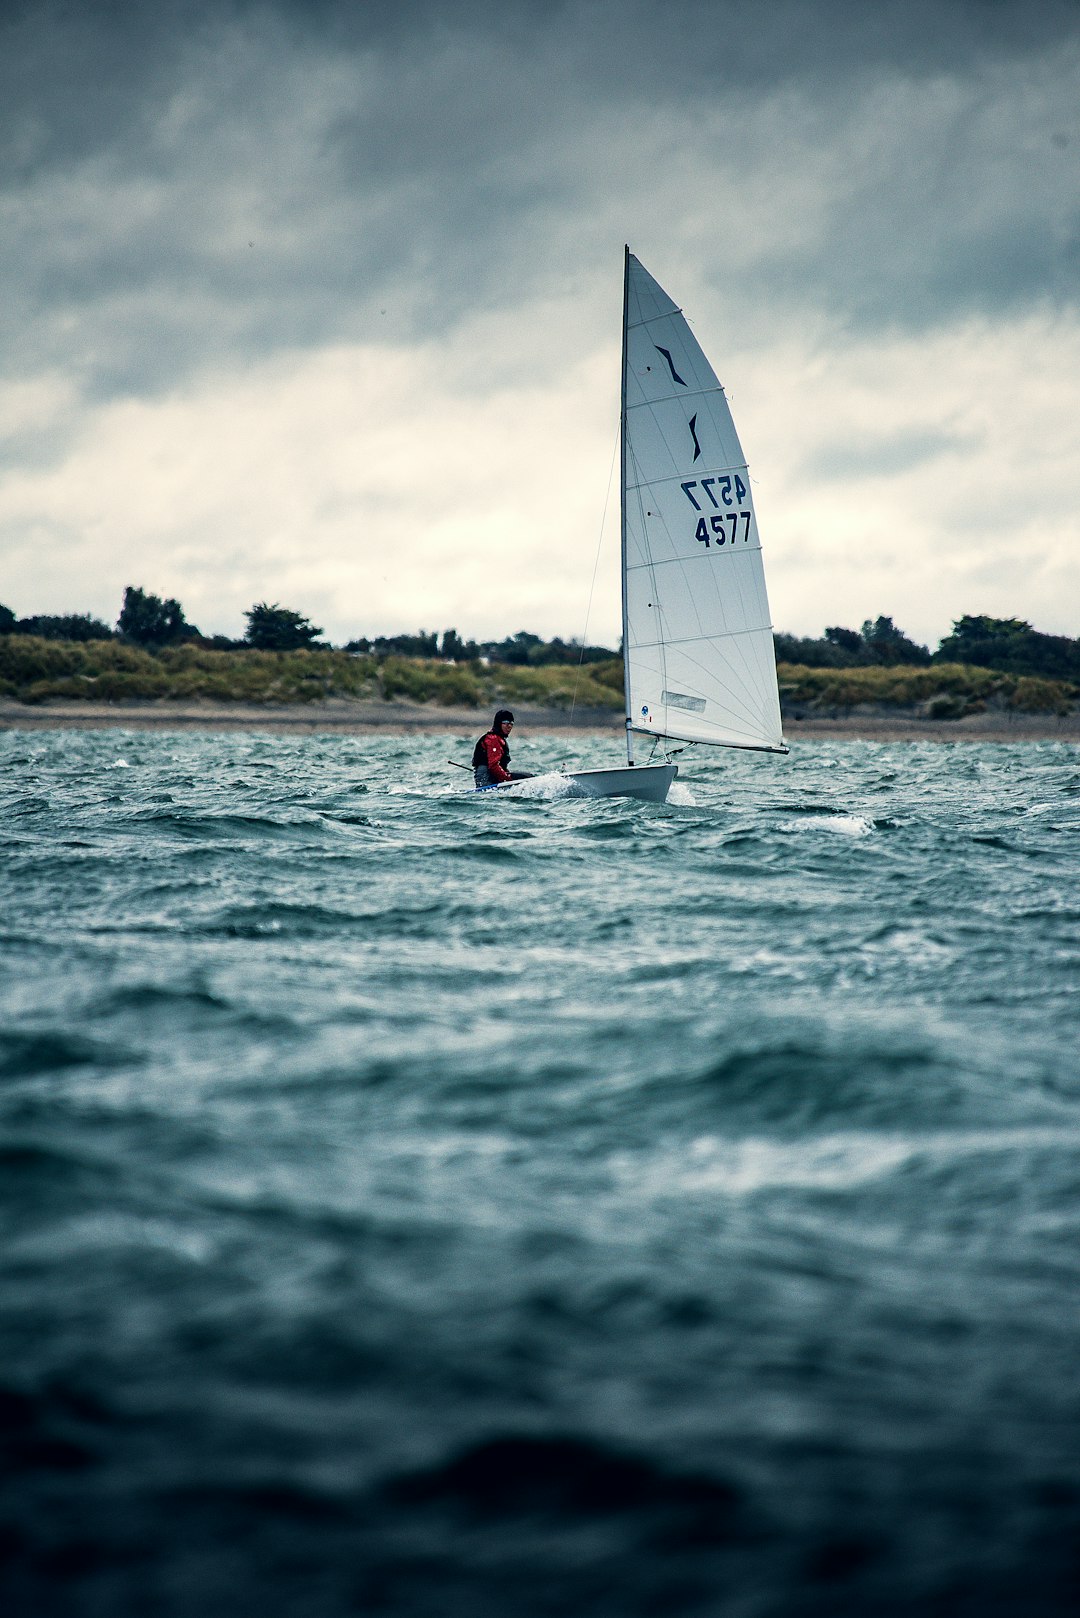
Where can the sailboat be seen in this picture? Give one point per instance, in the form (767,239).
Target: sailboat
(697,636)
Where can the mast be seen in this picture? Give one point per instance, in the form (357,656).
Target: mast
(622,506)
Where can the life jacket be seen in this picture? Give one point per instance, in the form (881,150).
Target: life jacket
(482,754)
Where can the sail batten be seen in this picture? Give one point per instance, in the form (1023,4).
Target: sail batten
(705,640)
(697,631)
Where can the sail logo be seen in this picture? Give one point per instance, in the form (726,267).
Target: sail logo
(675,377)
(693,435)
(680,699)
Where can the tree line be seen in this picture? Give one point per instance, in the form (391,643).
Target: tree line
(523,650)
(1009,645)
(149,621)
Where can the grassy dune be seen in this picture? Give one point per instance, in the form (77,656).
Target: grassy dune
(940,691)
(35,671)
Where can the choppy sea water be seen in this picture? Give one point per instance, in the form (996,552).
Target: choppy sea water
(417,1202)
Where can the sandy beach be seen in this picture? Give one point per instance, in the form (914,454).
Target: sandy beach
(358,718)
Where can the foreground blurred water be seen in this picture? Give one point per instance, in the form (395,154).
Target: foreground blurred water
(415,1203)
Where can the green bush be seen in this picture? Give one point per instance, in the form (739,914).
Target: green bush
(1031,694)
(121,686)
(609,674)
(425,680)
(36,669)
(109,687)
(70,687)
(553,685)
(944,690)
(946,706)
(257,676)
(27,658)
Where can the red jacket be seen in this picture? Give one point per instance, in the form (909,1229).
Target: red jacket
(494,751)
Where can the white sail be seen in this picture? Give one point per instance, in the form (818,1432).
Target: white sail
(697,635)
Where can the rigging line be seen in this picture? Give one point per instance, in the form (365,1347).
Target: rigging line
(592,587)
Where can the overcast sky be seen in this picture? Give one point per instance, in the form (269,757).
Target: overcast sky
(319,303)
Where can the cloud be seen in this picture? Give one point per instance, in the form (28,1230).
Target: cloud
(373,490)
(920,475)
(276,175)
(213,214)
(367,488)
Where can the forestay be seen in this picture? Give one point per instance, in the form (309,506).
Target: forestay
(697,633)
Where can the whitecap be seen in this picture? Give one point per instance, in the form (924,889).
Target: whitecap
(849,825)
(553,784)
(836,1162)
(842,825)
(681,795)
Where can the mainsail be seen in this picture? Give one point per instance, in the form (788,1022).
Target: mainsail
(697,636)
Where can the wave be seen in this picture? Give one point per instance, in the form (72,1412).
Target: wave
(282,919)
(526,1474)
(150,997)
(233,826)
(17,807)
(25,1054)
(46,1432)
(484,850)
(53,1177)
(838,1162)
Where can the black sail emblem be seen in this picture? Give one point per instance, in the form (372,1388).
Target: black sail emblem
(693,435)
(675,377)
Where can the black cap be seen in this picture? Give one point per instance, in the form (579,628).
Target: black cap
(503,713)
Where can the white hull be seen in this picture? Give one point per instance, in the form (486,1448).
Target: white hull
(648,781)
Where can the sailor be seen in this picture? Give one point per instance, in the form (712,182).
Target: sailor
(491,755)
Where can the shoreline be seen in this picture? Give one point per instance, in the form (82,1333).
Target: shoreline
(364,718)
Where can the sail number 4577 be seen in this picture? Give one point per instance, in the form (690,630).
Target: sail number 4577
(723,528)
(715,528)
(707,485)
